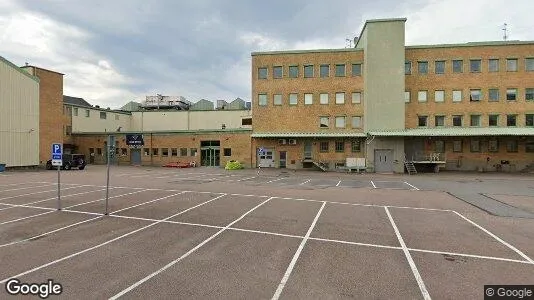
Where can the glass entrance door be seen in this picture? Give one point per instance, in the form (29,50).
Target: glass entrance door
(210,156)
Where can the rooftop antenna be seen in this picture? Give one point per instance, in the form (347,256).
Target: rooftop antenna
(505,37)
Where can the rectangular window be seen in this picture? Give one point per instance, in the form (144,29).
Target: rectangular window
(439,96)
(422,66)
(293,71)
(293,99)
(511,64)
(308,71)
(227,152)
(155,151)
(103,115)
(340,98)
(421,96)
(340,122)
(323,98)
(457,120)
(511,94)
(439,121)
(493,146)
(68,111)
(323,146)
(324,122)
(440,146)
(356,98)
(164,151)
(324,71)
(493,65)
(476,95)
(262,99)
(87,113)
(91,150)
(277,99)
(493,120)
(529,120)
(183,151)
(278,72)
(529,94)
(457,96)
(457,146)
(406,96)
(356,122)
(146,151)
(439,67)
(457,66)
(124,151)
(174,151)
(493,95)
(511,120)
(511,146)
(68,130)
(355,146)
(99,151)
(308,99)
(422,121)
(356,69)
(262,73)
(340,146)
(407,68)
(475,65)
(340,70)
(475,120)
(193,151)
(529,64)
(75,111)
(475,146)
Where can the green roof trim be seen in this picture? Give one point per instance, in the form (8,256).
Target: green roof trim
(306,134)
(458,131)
(202,131)
(12,65)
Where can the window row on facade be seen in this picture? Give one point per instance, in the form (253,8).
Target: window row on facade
(340,122)
(310,98)
(310,71)
(339,146)
(475,120)
(492,145)
(474,95)
(474,65)
(74,111)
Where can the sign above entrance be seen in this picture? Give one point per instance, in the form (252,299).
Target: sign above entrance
(134,140)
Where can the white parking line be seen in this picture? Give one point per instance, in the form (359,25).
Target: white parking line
(275,180)
(471,255)
(145,203)
(374,186)
(412,186)
(305,182)
(12,184)
(338,183)
(55,198)
(247,178)
(28,187)
(40,192)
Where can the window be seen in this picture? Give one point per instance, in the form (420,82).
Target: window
(493,65)
(355,146)
(511,120)
(87,113)
(356,122)
(493,120)
(493,146)
(406,96)
(511,146)
(356,98)
(246,121)
(164,151)
(439,96)
(146,151)
(456,120)
(277,72)
(340,122)
(103,115)
(457,66)
(407,68)
(68,130)
(308,99)
(324,71)
(457,146)
(529,146)
(340,98)
(456,96)
(67,111)
(227,152)
(293,99)
(493,95)
(262,99)
(439,67)
(308,71)
(511,64)
(511,94)
(440,146)
(293,71)
(422,121)
(323,146)
(340,146)
(529,120)
(91,150)
(340,70)
(277,99)
(99,151)
(475,120)
(323,98)
(262,73)
(476,95)
(75,111)
(155,151)
(529,64)
(356,69)
(324,122)
(193,151)
(439,121)
(174,151)
(529,94)
(422,67)
(183,151)
(475,146)
(475,65)
(421,96)
(124,151)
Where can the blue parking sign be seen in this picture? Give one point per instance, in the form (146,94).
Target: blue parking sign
(56,149)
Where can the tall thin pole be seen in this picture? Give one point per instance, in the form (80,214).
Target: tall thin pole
(58,189)
(107,176)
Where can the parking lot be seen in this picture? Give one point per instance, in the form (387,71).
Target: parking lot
(210,234)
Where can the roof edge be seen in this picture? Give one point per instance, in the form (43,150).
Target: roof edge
(202,131)
(295,51)
(32,66)
(12,65)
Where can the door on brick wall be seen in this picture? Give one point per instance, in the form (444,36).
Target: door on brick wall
(308,147)
(135,156)
(283,159)
(383,160)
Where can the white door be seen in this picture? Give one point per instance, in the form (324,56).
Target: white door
(266,157)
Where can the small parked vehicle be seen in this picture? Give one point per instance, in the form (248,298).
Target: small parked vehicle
(69,161)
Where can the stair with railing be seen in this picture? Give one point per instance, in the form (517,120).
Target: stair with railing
(410,167)
(321,165)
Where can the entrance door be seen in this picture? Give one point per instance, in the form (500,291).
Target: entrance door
(283,157)
(91,155)
(135,156)
(308,150)
(210,153)
(265,158)
(384,160)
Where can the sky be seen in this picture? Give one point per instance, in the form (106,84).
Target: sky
(113,52)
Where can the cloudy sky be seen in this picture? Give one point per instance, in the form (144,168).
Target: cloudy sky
(115,51)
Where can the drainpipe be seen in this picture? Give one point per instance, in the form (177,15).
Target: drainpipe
(151,152)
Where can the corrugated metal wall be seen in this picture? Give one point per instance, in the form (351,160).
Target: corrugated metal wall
(19,117)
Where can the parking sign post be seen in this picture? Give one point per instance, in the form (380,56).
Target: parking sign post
(57,160)
(110,148)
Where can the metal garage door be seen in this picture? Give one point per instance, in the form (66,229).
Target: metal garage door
(265,157)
